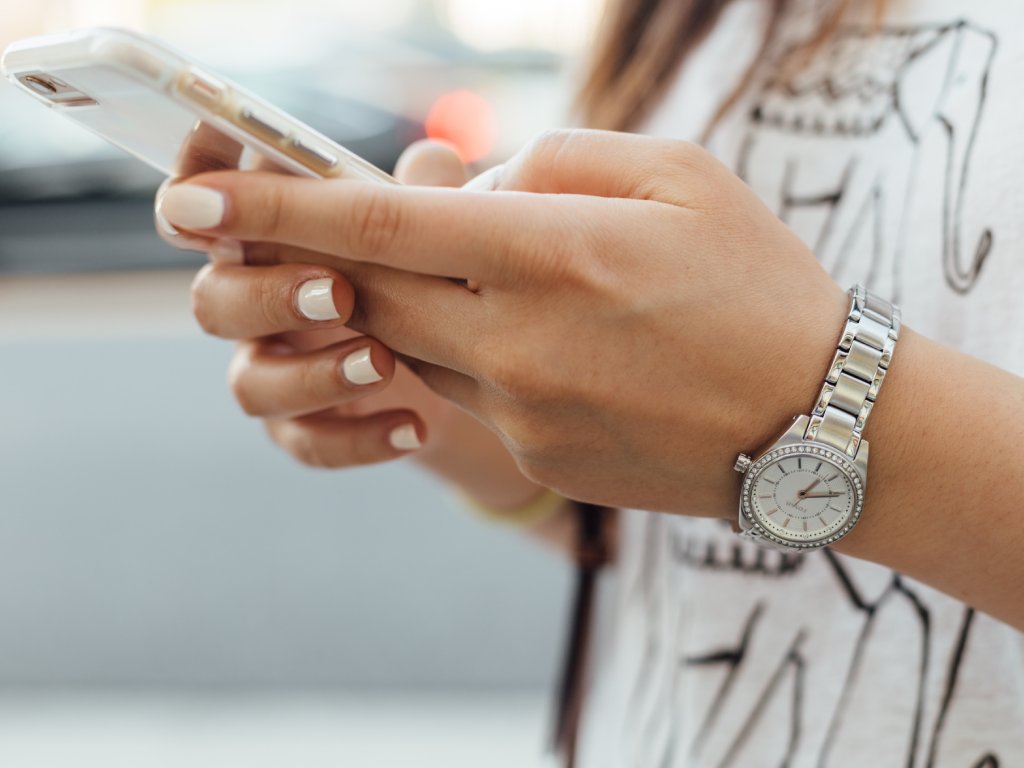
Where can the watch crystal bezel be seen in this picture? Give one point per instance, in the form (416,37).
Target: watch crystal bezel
(808,448)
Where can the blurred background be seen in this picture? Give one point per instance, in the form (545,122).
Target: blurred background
(173,590)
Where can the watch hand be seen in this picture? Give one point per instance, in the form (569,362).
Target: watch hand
(821,495)
(801,495)
(807,490)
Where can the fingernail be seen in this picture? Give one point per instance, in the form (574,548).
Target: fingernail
(192,206)
(404,438)
(358,368)
(316,299)
(163,223)
(183,242)
(226,251)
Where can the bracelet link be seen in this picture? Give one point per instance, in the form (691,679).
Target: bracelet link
(862,357)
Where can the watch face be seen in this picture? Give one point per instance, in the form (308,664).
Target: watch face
(803,495)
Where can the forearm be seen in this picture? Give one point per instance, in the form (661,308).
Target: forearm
(945,486)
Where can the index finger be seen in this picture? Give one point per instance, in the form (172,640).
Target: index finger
(445,232)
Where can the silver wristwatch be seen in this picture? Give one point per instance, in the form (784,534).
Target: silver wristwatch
(807,489)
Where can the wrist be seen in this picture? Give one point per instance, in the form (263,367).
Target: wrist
(543,506)
(895,467)
(799,367)
(807,489)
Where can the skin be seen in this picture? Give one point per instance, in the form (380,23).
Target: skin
(640,318)
(323,421)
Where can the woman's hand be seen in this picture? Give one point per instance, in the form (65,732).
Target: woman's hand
(326,394)
(638,316)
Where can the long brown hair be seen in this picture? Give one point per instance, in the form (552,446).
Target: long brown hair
(641,45)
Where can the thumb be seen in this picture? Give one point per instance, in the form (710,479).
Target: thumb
(429,163)
(607,164)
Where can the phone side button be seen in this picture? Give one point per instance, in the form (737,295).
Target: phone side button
(261,124)
(203,88)
(319,157)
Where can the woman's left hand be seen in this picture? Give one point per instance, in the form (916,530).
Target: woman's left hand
(635,316)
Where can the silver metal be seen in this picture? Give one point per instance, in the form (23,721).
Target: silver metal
(840,413)
(860,361)
(261,124)
(319,156)
(793,439)
(853,381)
(742,463)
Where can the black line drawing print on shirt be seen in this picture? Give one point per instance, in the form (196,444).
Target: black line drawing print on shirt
(870,107)
(864,98)
(665,727)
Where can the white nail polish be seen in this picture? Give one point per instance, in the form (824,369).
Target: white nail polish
(226,251)
(163,223)
(404,438)
(358,368)
(316,299)
(192,206)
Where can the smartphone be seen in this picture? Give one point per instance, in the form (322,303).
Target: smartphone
(167,110)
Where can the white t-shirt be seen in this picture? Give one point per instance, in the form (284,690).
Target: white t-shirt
(897,154)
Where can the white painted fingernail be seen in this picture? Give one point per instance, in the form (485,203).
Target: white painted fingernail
(163,223)
(192,206)
(227,251)
(358,368)
(316,299)
(404,438)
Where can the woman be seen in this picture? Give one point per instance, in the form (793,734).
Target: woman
(628,317)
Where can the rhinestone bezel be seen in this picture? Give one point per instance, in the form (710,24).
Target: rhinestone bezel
(804,449)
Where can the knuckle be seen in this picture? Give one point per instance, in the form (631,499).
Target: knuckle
(548,144)
(271,210)
(544,152)
(305,446)
(680,155)
(688,153)
(266,302)
(362,452)
(314,386)
(240,385)
(700,172)
(203,305)
(244,397)
(378,220)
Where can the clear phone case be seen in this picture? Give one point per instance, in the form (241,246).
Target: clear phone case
(155,104)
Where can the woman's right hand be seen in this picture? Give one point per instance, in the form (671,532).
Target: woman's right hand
(327,396)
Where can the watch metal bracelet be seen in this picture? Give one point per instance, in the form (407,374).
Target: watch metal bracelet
(858,368)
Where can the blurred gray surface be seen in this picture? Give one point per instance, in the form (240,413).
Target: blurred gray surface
(151,535)
(431,729)
(99,234)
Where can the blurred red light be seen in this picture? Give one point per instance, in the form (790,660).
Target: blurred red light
(467,121)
